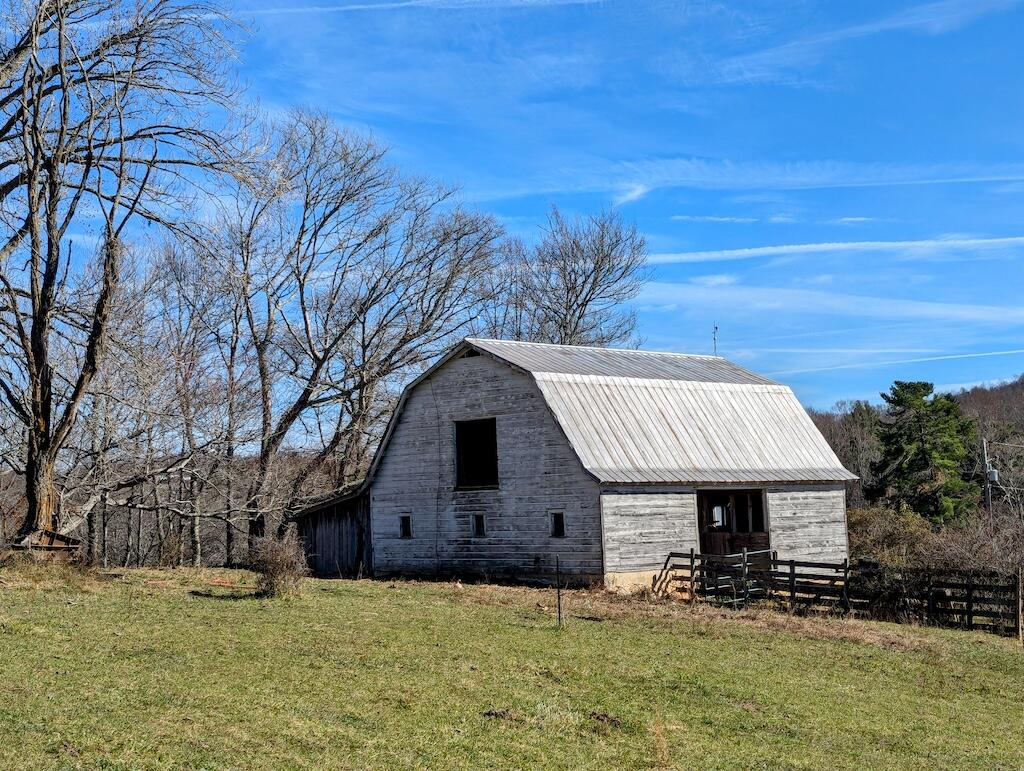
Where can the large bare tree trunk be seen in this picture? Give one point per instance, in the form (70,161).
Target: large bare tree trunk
(40,494)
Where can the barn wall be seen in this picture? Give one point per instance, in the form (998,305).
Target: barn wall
(808,522)
(538,472)
(336,539)
(641,528)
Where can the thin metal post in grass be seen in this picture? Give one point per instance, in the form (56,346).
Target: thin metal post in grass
(558,590)
(1020,605)
(746,589)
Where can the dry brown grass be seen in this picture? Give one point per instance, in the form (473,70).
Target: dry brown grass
(22,570)
(19,570)
(598,605)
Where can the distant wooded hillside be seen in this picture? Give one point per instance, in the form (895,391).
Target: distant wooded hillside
(851,428)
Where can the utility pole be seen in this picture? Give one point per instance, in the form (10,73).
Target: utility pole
(988,475)
(714,338)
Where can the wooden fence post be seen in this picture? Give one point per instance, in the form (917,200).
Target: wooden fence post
(773,563)
(970,600)
(693,575)
(792,584)
(846,584)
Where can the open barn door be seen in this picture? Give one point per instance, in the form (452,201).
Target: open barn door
(732,520)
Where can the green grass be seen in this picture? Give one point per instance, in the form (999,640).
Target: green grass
(176,669)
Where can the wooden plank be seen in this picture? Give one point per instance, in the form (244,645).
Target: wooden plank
(977,587)
(975,613)
(805,576)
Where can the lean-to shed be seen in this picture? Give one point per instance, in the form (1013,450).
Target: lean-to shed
(505,454)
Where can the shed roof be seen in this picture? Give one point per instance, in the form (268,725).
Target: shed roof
(641,417)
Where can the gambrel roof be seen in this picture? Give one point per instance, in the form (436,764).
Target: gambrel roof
(642,417)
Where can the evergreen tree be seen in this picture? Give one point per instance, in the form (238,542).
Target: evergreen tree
(925,444)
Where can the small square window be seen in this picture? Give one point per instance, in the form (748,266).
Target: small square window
(479,529)
(405,526)
(557,524)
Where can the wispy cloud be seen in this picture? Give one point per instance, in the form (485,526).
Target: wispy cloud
(819,279)
(947,387)
(775,219)
(668,296)
(632,180)
(925,246)
(441,5)
(779,62)
(712,218)
(721,279)
(846,351)
(630,193)
(892,362)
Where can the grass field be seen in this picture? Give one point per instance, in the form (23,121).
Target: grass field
(151,669)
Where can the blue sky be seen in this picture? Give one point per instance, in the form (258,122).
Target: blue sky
(840,186)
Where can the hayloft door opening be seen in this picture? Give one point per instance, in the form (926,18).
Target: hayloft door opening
(731,520)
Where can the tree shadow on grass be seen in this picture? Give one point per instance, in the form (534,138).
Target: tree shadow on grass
(234,594)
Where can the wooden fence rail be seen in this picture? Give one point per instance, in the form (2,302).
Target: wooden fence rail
(966,599)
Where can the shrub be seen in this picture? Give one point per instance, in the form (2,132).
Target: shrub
(899,538)
(280,565)
(986,541)
(893,537)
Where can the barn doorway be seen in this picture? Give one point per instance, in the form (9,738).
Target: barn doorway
(731,520)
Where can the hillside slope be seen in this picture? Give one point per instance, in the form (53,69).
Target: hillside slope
(170,669)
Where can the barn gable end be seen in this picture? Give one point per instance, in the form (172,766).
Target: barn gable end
(539,476)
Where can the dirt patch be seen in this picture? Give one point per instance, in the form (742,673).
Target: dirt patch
(224,582)
(604,723)
(502,714)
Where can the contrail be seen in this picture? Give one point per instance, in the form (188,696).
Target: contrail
(931,244)
(871,365)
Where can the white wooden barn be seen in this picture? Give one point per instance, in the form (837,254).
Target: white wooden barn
(505,454)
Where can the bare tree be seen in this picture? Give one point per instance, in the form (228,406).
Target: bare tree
(103,122)
(851,429)
(573,287)
(343,277)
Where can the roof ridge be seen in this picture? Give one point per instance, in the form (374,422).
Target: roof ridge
(593,348)
(709,384)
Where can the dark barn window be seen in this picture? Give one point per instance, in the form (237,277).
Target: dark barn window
(557,524)
(479,530)
(405,526)
(476,453)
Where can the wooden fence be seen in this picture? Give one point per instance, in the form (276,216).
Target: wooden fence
(956,598)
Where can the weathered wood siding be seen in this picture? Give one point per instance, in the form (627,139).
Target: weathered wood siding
(640,529)
(336,539)
(808,522)
(538,472)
